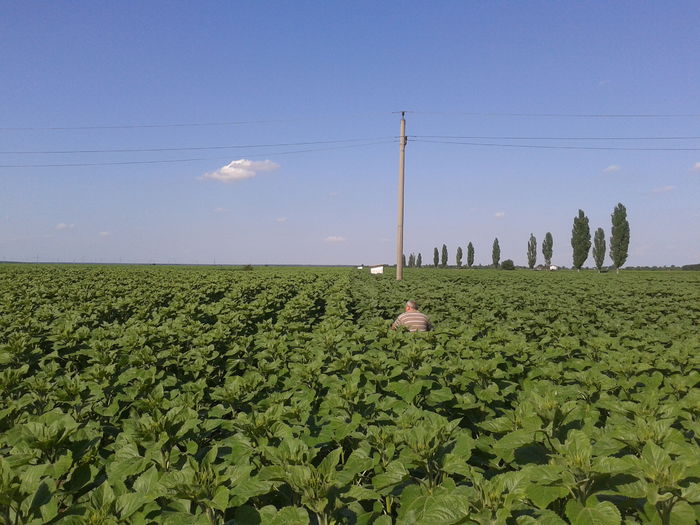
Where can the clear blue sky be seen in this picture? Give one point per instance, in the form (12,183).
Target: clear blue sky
(299,72)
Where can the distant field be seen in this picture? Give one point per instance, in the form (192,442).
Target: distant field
(193,395)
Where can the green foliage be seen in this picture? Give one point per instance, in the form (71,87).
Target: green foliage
(458,258)
(443,261)
(580,239)
(548,248)
(531,252)
(280,396)
(599,248)
(419,261)
(436,258)
(470,254)
(508,264)
(620,236)
(495,253)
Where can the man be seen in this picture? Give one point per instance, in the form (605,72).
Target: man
(412,319)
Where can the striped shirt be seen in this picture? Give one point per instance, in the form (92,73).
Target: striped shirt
(413,320)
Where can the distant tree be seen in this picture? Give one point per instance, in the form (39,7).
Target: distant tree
(547,248)
(580,239)
(599,248)
(419,260)
(411,260)
(403,258)
(459,256)
(619,236)
(444,256)
(531,252)
(495,253)
(470,254)
(508,264)
(436,258)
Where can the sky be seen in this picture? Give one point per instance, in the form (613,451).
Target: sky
(266,132)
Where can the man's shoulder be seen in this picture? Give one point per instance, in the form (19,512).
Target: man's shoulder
(414,315)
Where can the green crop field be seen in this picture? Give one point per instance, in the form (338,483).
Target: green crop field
(193,395)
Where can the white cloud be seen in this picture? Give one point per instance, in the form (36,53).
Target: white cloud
(241,169)
(612,168)
(105,234)
(663,189)
(334,238)
(281,219)
(499,214)
(696,166)
(64,226)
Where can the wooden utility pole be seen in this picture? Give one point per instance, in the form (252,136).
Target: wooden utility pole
(399,232)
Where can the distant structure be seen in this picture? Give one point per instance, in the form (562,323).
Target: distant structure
(553,267)
(377,270)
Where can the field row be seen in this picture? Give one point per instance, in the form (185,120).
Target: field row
(212,395)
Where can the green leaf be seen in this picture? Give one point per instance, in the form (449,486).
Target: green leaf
(604,513)
(129,503)
(405,390)
(147,484)
(544,517)
(542,496)
(682,514)
(358,493)
(428,509)
(328,464)
(358,461)
(80,477)
(395,473)
(441,395)
(290,516)
(508,444)
(41,497)
(220,499)
(691,493)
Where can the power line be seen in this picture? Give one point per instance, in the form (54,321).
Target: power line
(565,115)
(192,148)
(173,161)
(540,146)
(549,138)
(184,124)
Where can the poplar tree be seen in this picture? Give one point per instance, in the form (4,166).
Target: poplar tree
(547,249)
(619,236)
(531,251)
(411,260)
(459,256)
(419,261)
(470,254)
(436,258)
(403,258)
(444,256)
(495,253)
(580,239)
(599,248)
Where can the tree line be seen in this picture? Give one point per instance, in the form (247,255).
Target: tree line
(580,242)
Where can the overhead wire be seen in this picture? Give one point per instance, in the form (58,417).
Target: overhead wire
(189,148)
(563,115)
(187,124)
(485,137)
(173,161)
(542,146)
